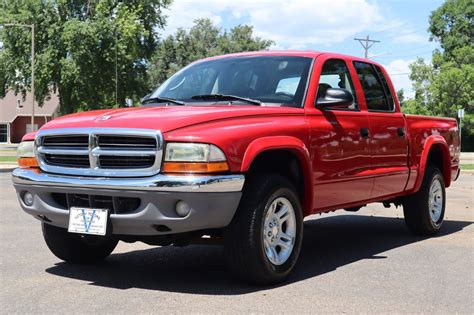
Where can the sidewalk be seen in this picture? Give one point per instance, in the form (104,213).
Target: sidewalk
(8,146)
(467,157)
(7,167)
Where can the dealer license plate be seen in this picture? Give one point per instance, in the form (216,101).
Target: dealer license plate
(88,221)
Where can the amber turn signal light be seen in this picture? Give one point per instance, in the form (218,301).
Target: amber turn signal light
(26,162)
(191,167)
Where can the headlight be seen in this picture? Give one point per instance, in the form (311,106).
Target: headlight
(194,158)
(26,154)
(193,152)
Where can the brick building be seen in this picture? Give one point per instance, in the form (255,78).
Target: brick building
(15,120)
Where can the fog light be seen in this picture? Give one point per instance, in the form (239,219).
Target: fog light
(182,208)
(28,198)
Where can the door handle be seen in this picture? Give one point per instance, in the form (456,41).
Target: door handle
(401,132)
(364,132)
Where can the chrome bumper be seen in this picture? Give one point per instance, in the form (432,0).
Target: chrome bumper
(159,183)
(213,200)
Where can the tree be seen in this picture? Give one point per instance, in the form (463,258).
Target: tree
(401,97)
(452,25)
(446,85)
(202,40)
(79,47)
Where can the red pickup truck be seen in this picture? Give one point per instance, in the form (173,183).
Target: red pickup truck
(239,149)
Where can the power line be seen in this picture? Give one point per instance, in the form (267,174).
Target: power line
(365,43)
(401,73)
(410,55)
(411,49)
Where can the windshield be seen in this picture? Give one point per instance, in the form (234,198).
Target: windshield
(278,80)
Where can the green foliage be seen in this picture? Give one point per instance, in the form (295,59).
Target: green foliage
(414,108)
(401,97)
(78,45)
(202,40)
(452,25)
(446,85)
(411,106)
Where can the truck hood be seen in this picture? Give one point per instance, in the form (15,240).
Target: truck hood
(163,118)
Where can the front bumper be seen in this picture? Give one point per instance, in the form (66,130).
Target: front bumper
(213,199)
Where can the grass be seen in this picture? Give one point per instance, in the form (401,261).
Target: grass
(7,158)
(467,166)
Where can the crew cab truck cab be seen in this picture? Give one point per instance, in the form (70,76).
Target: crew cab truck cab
(238,148)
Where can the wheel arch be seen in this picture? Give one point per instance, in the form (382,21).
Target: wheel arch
(436,152)
(269,153)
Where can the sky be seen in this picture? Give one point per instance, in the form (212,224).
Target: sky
(325,25)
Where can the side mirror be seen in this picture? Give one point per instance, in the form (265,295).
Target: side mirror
(333,97)
(144,98)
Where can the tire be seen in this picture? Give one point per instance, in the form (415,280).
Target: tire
(77,248)
(424,210)
(262,244)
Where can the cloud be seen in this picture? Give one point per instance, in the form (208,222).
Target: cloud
(399,73)
(182,14)
(410,38)
(291,24)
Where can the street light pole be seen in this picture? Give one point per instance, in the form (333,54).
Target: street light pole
(32,26)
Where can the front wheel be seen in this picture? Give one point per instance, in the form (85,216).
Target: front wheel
(77,248)
(263,241)
(424,210)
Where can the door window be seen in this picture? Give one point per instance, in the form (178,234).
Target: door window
(335,74)
(374,88)
(386,88)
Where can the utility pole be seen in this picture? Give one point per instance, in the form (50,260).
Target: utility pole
(32,26)
(116,74)
(366,43)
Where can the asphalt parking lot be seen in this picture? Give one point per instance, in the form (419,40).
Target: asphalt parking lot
(350,262)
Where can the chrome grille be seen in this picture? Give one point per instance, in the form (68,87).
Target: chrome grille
(66,141)
(100,151)
(67,160)
(126,161)
(126,142)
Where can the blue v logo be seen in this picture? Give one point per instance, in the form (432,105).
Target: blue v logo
(87,224)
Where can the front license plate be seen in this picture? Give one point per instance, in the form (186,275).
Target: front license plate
(88,221)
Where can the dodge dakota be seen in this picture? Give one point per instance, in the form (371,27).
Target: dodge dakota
(237,149)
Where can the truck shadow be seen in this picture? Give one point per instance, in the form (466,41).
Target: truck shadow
(329,243)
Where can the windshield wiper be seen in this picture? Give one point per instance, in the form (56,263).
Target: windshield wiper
(225,97)
(162,100)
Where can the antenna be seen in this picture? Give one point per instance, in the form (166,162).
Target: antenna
(366,43)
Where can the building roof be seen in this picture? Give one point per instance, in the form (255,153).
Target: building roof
(9,107)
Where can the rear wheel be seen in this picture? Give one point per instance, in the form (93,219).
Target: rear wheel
(424,210)
(263,241)
(77,248)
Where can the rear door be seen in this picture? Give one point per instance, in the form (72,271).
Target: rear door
(387,128)
(339,142)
